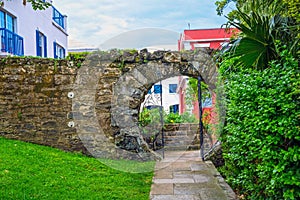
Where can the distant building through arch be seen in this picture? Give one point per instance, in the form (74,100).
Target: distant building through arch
(215,39)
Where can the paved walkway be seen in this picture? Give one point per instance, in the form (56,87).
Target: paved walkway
(183,176)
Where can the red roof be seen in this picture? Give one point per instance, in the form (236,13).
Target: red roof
(207,34)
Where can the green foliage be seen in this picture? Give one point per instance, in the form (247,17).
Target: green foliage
(247,6)
(77,57)
(188,118)
(38,4)
(262,23)
(29,171)
(257,44)
(192,91)
(293,9)
(19,115)
(148,117)
(177,118)
(173,118)
(261,138)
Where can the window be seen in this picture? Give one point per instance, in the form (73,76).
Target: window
(10,41)
(58,18)
(41,44)
(149,91)
(174,108)
(59,51)
(157,89)
(10,24)
(7,21)
(207,102)
(172,88)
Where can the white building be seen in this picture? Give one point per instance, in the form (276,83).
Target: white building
(29,32)
(167,90)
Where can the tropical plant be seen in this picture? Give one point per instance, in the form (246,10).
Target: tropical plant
(262,24)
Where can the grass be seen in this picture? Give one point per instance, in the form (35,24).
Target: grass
(29,171)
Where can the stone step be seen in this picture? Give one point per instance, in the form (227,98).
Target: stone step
(193,147)
(175,148)
(181,137)
(176,127)
(180,132)
(183,143)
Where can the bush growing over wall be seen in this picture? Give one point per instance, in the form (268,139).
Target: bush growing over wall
(152,116)
(261,138)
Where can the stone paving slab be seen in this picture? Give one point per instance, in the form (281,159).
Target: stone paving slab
(183,176)
(175,197)
(162,189)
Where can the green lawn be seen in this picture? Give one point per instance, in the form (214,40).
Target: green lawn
(29,171)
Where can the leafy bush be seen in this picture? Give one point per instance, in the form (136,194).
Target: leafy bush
(173,118)
(147,117)
(77,57)
(261,138)
(188,118)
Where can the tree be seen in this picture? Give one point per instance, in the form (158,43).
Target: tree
(286,7)
(36,4)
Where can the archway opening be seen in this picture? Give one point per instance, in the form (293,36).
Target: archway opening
(169,115)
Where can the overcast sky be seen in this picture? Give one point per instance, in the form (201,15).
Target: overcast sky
(137,23)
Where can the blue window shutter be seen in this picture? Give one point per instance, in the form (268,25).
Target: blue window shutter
(157,89)
(176,108)
(45,46)
(64,52)
(38,52)
(54,50)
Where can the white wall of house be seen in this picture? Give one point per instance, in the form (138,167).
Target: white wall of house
(28,21)
(168,99)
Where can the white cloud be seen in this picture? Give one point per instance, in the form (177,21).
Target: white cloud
(93,22)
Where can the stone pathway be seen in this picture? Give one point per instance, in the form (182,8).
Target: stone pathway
(183,176)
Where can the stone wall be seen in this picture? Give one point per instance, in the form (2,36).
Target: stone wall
(93,109)
(34,103)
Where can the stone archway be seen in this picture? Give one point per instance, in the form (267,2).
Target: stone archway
(110,87)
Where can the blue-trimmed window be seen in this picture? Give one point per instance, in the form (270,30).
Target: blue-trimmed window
(172,88)
(58,18)
(59,51)
(41,44)
(174,108)
(7,21)
(10,41)
(157,89)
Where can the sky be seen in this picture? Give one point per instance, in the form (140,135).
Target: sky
(109,24)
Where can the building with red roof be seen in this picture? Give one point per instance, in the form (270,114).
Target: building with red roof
(213,38)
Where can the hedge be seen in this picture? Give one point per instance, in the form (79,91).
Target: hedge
(261,138)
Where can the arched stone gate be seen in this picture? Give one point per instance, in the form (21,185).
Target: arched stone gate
(110,88)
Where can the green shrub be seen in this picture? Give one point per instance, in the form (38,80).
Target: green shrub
(188,118)
(261,138)
(173,118)
(77,57)
(147,117)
